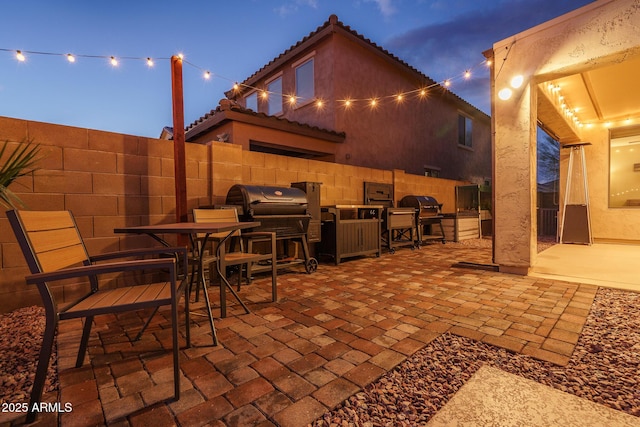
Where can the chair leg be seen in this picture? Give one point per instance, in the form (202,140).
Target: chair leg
(43,366)
(86,331)
(176,348)
(205,291)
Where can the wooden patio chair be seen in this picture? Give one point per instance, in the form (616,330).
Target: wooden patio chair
(239,257)
(54,251)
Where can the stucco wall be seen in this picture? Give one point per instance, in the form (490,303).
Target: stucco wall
(417,132)
(607,224)
(111,180)
(598,34)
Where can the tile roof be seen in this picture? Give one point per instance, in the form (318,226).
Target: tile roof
(334,23)
(221,112)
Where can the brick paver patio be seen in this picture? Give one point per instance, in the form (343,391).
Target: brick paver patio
(331,333)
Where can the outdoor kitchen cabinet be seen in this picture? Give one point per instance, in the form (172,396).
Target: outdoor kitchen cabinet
(351,230)
(465,222)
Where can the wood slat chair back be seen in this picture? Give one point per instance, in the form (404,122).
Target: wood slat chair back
(54,250)
(240,257)
(54,241)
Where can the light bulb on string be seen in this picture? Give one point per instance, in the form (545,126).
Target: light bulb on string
(71,58)
(447,83)
(467,74)
(113,61)
(207,75)
(150,62)
(20,56)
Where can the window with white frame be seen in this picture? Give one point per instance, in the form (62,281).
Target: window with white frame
(274,105)
(251,101)
(624,167)
(465,130)
(305,90)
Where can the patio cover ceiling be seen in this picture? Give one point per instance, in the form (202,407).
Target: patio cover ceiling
(607,94)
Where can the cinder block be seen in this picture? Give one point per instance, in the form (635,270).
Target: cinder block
(226,153)
(57,135)
(13,129)
(227,171)
(53,181)
(90,204)
(43,201)
(167,167)
(253,158)
(112,142)
(89,161)
(116,184)
(138,165)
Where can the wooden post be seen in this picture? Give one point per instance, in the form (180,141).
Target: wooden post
(179,158)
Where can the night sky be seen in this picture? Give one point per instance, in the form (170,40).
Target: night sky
(232,40)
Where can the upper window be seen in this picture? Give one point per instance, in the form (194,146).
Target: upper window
(274,88)
(465,130)
(305,90)
(251,101)
(624,168)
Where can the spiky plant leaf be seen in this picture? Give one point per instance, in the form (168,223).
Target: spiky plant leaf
(19,162)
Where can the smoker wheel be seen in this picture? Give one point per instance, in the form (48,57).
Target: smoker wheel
(392,251)
(311,265)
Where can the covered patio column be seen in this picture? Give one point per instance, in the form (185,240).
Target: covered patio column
(514,168)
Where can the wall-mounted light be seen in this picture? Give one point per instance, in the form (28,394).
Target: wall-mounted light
(505,94)
(517,81)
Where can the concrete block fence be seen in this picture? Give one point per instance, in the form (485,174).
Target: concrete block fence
(110,180)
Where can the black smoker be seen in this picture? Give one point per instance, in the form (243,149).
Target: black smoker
(398,224)
(282,210)
(428,215)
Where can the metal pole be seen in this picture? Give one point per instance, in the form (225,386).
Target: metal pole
(179,159)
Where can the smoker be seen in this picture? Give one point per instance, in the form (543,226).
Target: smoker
(282,210)
(428,215)
(398,224)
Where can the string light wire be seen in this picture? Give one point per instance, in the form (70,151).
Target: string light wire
(372,102)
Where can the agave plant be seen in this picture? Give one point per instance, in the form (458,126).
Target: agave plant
(20,162)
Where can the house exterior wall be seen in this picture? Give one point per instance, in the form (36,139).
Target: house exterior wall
(598,34)
(112,180)
(407,135)
(244,134)
(607,224)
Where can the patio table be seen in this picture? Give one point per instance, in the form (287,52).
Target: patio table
(193,229)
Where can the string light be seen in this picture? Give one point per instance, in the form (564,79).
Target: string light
(293,100)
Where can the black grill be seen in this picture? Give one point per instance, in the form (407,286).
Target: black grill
(398,224)
(282,210)
(428,215)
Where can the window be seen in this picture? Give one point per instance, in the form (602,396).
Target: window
(624,167)
(251,101)
(465,130)
(274,105)
(305,90)
(432,171)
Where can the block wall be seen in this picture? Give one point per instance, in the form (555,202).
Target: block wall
(110,180)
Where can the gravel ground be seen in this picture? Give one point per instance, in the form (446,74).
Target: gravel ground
(20,339)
